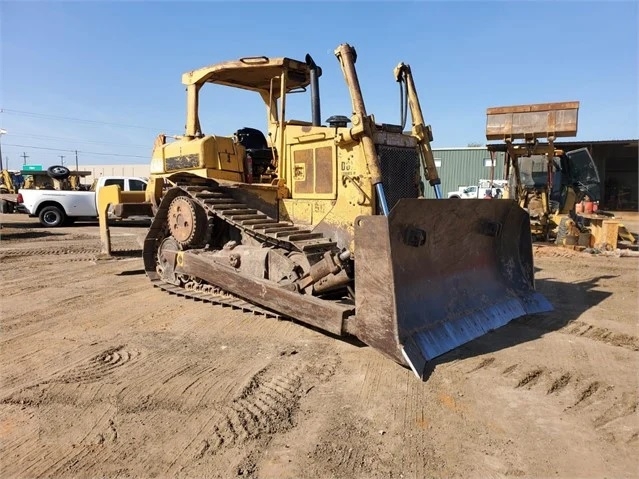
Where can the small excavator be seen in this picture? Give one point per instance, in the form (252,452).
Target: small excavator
(326,224)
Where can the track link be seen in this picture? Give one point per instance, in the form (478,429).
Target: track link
(250,221)
(218,298)
(254,222)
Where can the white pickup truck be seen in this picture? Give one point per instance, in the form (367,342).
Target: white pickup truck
(61,207)
(496,187)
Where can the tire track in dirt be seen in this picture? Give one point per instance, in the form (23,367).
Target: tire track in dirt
(604,335)
(350,451)
(77,387)
(94,369)
(66,248)
(351,446)
(47,454)
(101,365)
(585,330)
(265,406)
(39,463)
(589,394)
(27,279)
(616,414)
(25,320)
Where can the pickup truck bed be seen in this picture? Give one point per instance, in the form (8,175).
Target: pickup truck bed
(61,207)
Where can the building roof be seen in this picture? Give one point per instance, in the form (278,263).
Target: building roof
(502,146)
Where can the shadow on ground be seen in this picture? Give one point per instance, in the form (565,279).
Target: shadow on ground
(569,300)
(17,231)
(134,272)
(113,223)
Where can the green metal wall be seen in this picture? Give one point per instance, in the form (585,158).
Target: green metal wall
(464,167)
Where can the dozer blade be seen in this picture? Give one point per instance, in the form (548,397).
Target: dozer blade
(436,274)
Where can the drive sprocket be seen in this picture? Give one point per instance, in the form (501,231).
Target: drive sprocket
(187,222)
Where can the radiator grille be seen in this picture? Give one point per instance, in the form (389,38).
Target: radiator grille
(400,173)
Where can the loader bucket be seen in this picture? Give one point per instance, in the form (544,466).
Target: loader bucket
(540,120)
(436,274)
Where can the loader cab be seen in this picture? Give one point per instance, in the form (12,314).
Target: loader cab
(534,171)
(575,177)
(582,172)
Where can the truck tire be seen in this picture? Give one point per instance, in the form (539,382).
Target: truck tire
(51,217)
(58,172)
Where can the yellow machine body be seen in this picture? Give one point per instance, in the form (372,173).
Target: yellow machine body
(327,224)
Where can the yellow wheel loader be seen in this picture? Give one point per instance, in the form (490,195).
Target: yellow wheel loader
(327,224)
(547,182)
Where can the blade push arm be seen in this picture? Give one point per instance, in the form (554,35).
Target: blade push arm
(361,121)
(420,130)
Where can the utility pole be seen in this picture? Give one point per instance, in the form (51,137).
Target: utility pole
(76,160)
(24,157)
(2,132)
(61,159)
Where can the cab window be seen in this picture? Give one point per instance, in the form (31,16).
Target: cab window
(113,181)
(137,185)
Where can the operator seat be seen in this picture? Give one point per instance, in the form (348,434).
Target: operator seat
(254,142)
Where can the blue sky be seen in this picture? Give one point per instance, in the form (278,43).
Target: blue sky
(117,66)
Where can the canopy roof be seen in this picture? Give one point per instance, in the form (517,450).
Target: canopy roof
(253,73)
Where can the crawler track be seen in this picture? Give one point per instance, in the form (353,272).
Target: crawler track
(219,297)
(220,204)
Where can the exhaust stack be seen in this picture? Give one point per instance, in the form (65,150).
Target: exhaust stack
(315,98)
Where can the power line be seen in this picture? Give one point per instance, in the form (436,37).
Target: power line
(75,140)
(81,120)
(79,151)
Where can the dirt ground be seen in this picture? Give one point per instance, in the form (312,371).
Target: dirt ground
(105,376)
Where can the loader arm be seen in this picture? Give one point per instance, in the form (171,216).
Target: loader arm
(420,130)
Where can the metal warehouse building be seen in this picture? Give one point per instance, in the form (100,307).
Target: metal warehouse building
(617,162)
(464,167)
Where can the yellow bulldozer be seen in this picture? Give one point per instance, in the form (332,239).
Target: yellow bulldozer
(327,224)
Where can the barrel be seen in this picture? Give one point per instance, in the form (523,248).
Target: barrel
(588,207)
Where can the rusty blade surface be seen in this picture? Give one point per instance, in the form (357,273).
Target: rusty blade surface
(436,274)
